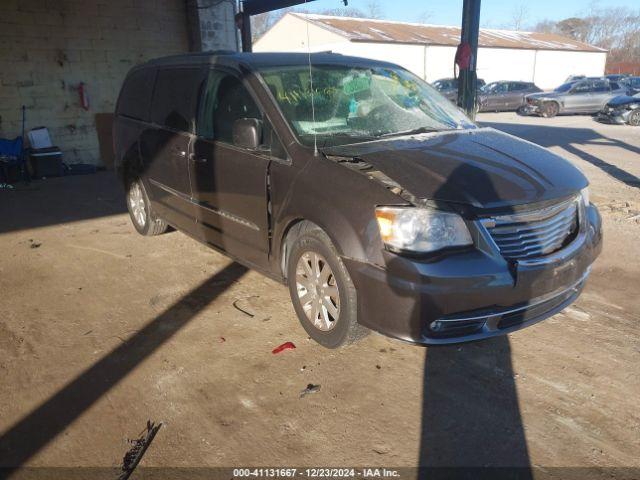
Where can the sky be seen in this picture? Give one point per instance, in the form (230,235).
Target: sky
(494,14)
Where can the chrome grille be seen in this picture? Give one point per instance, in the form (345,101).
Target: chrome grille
(535,233)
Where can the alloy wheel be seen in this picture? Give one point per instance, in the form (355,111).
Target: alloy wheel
(137,204)
(318,291)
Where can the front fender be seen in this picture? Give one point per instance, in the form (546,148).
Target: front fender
(339,200)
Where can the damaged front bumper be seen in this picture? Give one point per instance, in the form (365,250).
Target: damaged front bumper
(613,117)
(529,109)
(474,294)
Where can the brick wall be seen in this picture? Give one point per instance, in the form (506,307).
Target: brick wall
(47,47)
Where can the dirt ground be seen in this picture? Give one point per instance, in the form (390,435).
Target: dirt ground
(102,329)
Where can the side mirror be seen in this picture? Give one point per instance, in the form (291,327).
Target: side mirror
(247,133)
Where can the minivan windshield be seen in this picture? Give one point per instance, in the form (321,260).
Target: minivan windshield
(356,104)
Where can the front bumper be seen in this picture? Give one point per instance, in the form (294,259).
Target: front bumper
(614,118)
(529,109)
(471,295)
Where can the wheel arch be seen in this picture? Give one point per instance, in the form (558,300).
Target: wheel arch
(348,245)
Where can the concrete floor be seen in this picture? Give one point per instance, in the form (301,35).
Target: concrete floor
(102,329)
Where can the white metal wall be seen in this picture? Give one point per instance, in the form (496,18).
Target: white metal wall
(439,63)
(289,34)
(411,57)
(547,68)
(553,67)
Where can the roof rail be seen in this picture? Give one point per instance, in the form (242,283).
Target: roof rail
(219,52)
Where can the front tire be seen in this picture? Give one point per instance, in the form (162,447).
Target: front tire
(142,216)
(634,119)
(321,290)
(550,109)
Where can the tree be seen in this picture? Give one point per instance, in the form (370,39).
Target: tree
(519,15)
(425,17)
(616,29)
(373,9)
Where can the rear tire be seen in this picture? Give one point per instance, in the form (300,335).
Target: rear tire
(321,290)
(634,119)
(142,216)
(550,109)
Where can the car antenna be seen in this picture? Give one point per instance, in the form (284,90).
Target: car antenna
(313,107)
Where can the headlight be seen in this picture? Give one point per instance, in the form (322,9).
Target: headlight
(421,229)
(584,193)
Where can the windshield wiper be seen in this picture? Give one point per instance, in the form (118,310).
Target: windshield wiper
(413,131)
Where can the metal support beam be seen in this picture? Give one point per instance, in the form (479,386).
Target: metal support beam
(254,7)
(468,81)
(244,21)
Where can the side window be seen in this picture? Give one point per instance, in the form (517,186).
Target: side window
(582,87)
(232,102)
(601,86)
(135,99)
(225,100)
(204,125)
(174,98)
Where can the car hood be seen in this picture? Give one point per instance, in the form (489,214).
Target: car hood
(482,168)
(622,100)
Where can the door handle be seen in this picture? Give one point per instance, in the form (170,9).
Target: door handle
(195,159)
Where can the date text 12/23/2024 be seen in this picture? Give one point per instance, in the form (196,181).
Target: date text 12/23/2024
(315,472)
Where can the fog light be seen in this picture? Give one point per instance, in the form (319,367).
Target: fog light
(435,326)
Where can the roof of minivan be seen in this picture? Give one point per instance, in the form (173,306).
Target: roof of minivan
(258,60)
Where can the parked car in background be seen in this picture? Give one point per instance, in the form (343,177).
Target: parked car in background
(582,96)
(504,96)
(380,204)
(633,85)
(573,78)
(448,87)
(616,77)
(621,110)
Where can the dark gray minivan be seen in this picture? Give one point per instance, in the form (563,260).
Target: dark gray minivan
(377,201)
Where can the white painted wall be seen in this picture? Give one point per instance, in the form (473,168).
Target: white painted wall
(410,57)
(439,62)
(553,67)
(289,34)
(505,64)
(547,68)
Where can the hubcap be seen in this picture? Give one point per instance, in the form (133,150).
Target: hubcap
(136,203)
(317,291)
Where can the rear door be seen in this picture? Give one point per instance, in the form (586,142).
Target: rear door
(229,183)
(600,95)
(165,146)
(493,98)
(515,97)
(578,98)
(510,96)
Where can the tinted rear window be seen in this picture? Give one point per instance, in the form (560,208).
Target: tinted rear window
(175,96)
(135,98)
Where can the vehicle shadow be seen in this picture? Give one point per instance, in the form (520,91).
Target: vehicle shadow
(567,138)
(471,424)
(60,200)
(34,431)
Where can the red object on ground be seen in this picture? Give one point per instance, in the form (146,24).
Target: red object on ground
(284,346)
